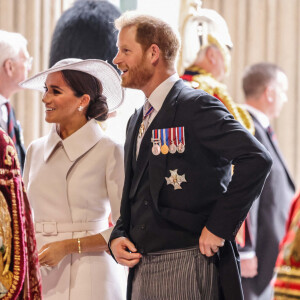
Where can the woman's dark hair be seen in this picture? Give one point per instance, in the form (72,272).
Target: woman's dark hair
(82,83)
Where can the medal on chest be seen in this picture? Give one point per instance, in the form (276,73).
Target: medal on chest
(180,139)
(168,140)
(172,143)
(156,142)
(175,179)
(143,127)
(164,148)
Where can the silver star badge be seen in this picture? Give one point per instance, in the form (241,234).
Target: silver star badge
(175,179)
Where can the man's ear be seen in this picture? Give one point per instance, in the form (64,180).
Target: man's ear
(269,93)
(8,67)
(154,52)
(211,55)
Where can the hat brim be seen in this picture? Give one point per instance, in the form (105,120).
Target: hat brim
(103,71)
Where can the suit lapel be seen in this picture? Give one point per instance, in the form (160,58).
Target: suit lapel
(157,164)
(281,159)
(276,149)
(129,147)
(131,136)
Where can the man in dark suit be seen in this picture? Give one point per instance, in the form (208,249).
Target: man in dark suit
(265,87)
(14,66)
(181,208)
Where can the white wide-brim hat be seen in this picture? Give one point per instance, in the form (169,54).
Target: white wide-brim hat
(103,71)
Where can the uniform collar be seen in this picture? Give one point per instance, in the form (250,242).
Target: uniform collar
(76,144)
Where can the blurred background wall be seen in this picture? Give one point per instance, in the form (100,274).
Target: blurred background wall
(261,30)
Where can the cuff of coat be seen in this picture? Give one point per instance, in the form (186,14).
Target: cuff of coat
(106,234)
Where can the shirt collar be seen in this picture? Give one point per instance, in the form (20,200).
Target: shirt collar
(259,115)
(2,100)
(159,95)
(76,144)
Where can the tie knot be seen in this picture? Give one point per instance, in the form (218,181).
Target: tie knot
(146,105)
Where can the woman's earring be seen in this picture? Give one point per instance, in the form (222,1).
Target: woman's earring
(80,108)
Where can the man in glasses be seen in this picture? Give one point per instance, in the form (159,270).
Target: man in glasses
(15,63)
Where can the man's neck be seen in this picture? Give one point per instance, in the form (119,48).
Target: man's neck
(5,88)
(156,80)
(258,105)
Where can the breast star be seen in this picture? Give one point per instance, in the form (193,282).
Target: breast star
(175,179)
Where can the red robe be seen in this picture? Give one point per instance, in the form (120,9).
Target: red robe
(287,282)
(19,254)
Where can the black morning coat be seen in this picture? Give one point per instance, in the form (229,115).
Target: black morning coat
(210,197)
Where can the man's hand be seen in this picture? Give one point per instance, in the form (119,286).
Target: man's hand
(125,252)
(209,243)
(249,267)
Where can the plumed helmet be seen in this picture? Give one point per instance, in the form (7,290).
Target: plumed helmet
(200,27)
(86,31)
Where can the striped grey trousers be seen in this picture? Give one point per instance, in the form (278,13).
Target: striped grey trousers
(183,274)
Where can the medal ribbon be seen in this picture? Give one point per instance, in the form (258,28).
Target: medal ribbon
(182,135)
(165,136)
(179,133)
(148,112)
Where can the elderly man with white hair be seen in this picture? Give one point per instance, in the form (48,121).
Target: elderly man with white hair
(15,63)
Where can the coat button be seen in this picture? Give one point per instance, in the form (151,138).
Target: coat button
(142,227)
(146,203)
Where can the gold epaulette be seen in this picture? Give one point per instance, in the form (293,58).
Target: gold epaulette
(205,81)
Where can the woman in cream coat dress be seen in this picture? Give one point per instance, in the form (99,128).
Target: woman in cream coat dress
(74,179)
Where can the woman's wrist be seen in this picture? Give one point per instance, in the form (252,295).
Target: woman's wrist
(71,246)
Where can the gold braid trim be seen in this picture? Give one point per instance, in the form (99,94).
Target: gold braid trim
(288,293)
(287,271)
(5,232)
(206,82)
(16,240)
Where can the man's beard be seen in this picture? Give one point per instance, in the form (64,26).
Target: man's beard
(137,77)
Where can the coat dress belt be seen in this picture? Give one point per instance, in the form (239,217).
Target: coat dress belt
(53,228)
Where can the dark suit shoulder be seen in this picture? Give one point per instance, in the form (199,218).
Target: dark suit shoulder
(199,99)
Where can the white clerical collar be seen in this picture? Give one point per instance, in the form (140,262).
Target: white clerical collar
(159,95)
(259,115)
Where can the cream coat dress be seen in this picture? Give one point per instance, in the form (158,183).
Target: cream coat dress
(73,185)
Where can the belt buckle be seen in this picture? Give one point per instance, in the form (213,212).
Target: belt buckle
(49,228)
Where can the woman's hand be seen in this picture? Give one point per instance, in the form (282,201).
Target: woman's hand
(51,254)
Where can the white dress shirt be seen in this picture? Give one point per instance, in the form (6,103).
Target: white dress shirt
(259,115)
